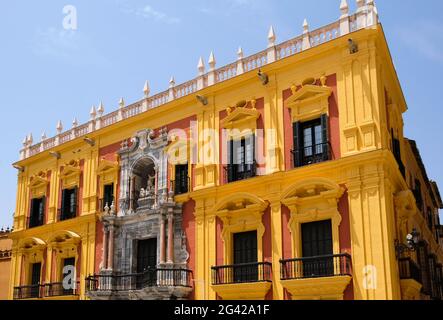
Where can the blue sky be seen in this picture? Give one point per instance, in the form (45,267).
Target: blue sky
(47,73)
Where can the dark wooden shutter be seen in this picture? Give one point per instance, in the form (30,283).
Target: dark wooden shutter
(325,135)
(31,214)
(63,208)
(35,273)
(249,153)
(298,145)
(41,212)
(76,201)
(230,156)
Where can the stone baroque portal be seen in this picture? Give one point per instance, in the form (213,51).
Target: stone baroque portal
(144,251)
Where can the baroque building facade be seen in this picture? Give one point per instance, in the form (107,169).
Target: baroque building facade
(5,262)
(284,175)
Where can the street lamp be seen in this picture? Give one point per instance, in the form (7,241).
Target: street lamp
(412,240)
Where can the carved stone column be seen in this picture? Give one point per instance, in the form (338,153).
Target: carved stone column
(105,248)
(162,240)
(170,236)
(111,247)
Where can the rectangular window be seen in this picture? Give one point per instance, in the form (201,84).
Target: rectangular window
(418,195)
(396,150)
(245,257)
(241,159)
(311,142)
(317,246)
(69,204)
(422,256)
(35,280)
(181,179)
(37,212)
(108,195)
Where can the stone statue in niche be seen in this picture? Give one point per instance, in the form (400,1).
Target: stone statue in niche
(151,183)
(142,193)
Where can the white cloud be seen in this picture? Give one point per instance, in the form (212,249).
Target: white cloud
(148,12)
(67,45)
(426,37)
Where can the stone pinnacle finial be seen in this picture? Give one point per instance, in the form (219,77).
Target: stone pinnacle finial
(201,67)
(25,141)
(212,61)
(271,37)
(240,53)
(146,89)
(360,3)
(305,26)
(43,136)
(344,7)
(172,82)
(93,113)
(121,103)
(59,127)
(30,139)
(100,109)
(74,123)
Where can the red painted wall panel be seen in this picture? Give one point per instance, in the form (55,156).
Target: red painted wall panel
(98,245)
(188,225)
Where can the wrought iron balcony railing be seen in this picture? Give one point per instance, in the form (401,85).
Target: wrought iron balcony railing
(409,269)
(237,172)
(58,289)
(242,273)
(154,277)
(32,222)
(316,267)
(28,292)
(313,154)
(63,215)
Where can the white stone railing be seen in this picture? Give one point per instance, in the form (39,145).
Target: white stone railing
(255,61)
(366,16)
(289,48)
(325,34)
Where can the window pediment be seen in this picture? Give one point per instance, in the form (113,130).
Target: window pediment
(32,243)
(38,184)
(64,237)
(106,166)
(309,102)
(70,169)
(241,117)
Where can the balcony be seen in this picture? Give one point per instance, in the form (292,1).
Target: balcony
(409,269)
(57,290)
(28,292)
(410,279)
(321,277)
(32,222)
(238,172)
(310,155)
(152,284)
(250,281)
(48,290)
(66,215)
